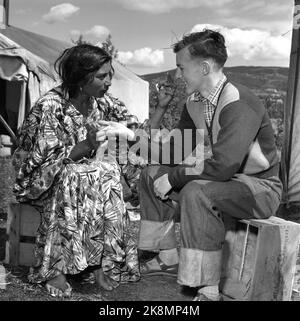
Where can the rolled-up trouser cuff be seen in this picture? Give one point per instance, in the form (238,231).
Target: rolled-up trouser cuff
(157,235)
(199,268)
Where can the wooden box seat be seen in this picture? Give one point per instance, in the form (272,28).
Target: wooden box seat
(259,256)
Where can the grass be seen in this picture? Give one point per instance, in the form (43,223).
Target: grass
(151,289)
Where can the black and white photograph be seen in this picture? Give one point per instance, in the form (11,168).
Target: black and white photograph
(149,153)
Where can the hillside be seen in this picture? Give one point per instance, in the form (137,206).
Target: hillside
(268,83)
(250,76)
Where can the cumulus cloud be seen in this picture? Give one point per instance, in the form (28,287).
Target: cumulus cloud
(252,44)
(144,57)
(162,6)
(97,32)
(60,12)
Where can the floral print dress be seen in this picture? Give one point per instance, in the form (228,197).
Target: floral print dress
(84,221)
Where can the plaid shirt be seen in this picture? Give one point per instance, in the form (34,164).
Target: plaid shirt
(210,103)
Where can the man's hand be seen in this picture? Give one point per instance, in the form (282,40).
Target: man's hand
(162,186)
(165,93)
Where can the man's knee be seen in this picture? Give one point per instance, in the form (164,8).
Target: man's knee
(198,195)
(191,191)
(153,172)
(148,173)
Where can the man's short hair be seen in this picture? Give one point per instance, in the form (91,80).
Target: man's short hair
(204,44)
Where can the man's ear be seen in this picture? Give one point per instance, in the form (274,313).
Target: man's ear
(206,67)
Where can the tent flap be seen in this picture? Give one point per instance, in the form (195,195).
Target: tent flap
(12,69)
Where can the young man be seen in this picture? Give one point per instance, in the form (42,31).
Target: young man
(240,179)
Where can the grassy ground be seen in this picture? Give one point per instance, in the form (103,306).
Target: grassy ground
(147,289)
(154,288)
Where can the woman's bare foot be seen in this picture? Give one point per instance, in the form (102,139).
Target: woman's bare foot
(104,281)
(59,287)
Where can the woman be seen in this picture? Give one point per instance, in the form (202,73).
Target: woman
(83,216)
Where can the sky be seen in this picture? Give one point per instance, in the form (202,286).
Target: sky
(257,32)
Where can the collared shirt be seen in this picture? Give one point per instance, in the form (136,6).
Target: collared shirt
(210,103)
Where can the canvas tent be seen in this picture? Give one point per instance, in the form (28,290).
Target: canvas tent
(26,72)
(290,159)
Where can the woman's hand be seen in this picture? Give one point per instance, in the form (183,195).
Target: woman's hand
(93,141)
(111,128)
(91,138)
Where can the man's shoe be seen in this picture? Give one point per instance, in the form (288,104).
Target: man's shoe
(169,270)
(203,297)
(145,256)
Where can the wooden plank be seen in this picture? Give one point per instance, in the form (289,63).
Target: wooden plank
(265,275)
(290,248)
(235,282)
(26,257)
(22,223)
(13,232)
(281,245)
(296,281)
(30,220)
(261,267)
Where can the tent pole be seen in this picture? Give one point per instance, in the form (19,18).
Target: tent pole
(22,104)
(6,9)
(290,103)
(10,131)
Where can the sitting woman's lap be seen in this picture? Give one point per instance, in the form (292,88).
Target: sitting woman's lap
(84,223)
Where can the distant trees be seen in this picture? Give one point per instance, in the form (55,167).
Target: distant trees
(107,45)
(274,106)
(110,48)
(79,41)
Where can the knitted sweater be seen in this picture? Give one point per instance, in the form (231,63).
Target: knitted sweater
(241,137)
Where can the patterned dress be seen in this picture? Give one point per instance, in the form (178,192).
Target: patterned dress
(84,221)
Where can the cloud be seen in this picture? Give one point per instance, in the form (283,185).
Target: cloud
(252,44)
(75,33)
(97,32)
(23,11)
(144,57)
(60,12)
(162,6)
(275,15)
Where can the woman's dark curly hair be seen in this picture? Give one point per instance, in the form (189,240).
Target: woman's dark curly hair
(204,44)
(77,66)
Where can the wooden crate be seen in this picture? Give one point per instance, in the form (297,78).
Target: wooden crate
(296,283)
(22,223)
(5,146)
(259,259)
